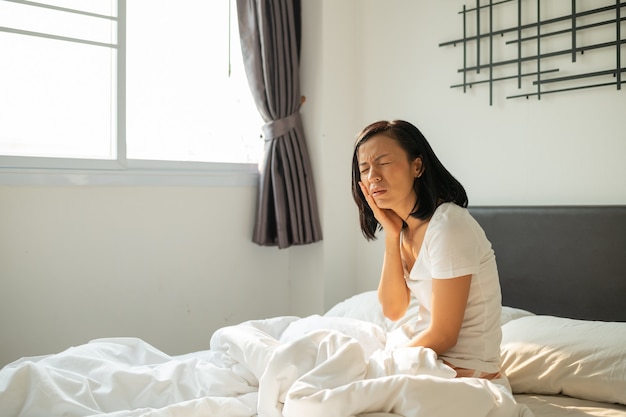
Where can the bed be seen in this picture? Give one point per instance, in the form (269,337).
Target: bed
(563,277)
(567,265)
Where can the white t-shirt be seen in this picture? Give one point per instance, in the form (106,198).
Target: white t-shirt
(455,245)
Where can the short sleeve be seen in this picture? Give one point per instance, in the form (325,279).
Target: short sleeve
(452,244)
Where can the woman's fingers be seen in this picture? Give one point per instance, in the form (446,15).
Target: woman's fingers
(387,218)
(364,189)
(381,215)
(368,197)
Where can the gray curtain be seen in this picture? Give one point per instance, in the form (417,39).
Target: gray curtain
(287,211)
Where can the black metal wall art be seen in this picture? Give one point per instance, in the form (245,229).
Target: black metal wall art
(534,37)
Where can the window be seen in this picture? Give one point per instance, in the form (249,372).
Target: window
(107,80)
(57,81)
(187,93)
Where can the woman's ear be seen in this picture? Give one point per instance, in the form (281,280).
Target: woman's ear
(418,167)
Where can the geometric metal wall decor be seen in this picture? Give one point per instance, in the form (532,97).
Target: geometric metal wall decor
(531,38)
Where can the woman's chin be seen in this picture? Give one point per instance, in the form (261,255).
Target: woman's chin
(382,203)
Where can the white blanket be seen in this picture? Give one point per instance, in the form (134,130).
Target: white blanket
(285,366)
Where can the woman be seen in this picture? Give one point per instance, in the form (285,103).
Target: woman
(434,249)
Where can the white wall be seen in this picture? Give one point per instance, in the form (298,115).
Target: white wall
(171,264)
(566,148)
(166,264)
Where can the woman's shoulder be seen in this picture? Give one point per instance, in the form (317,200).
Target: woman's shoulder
(451,211)
(450,217)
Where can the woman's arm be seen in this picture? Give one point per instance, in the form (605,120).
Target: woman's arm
(449,300)
(393,293)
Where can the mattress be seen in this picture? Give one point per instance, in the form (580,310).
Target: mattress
(561,405)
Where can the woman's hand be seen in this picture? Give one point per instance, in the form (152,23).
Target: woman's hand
(388,219)
(393,294)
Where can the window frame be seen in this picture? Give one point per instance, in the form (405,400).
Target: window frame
(29,170)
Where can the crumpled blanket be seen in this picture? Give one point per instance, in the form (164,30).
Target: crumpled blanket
(284,366)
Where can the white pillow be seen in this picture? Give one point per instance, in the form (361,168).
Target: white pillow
(579,358)
(365,306)
(512,313)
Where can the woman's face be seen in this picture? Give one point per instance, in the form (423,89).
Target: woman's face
(388,174)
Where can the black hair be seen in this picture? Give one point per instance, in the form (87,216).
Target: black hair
(435,186)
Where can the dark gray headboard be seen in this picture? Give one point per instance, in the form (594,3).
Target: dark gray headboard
(567,261)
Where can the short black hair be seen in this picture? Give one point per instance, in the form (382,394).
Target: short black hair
(435,186)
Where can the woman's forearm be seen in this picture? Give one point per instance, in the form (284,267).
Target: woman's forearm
(433,340)
(393,293)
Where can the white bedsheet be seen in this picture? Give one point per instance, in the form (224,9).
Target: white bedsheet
(277,367)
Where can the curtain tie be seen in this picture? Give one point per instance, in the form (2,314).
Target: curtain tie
(279,127)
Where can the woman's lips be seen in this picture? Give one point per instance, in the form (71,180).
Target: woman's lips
(378,193)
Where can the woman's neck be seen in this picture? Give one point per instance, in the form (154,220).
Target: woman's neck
(413,225)
(411,208)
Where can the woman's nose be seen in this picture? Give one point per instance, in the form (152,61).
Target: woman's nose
(373,175)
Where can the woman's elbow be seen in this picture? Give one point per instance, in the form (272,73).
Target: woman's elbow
(394,313)
(445,342)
